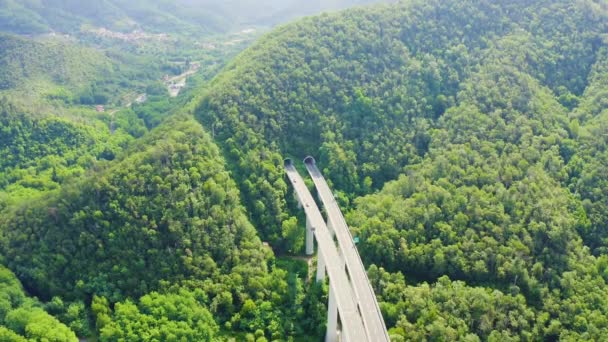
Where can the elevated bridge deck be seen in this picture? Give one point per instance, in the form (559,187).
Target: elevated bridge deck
(340,287)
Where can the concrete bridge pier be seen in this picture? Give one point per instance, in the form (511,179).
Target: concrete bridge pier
(332,317)
(320,266)
(310,237)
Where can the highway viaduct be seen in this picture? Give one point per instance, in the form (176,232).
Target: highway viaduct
(352,301)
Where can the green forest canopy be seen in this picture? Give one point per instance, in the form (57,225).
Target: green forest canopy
(466,140)
(23,318)
(490,115)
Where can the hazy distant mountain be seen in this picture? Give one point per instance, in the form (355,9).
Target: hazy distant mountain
(198,16)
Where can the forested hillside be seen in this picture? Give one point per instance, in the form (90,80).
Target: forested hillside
(40,154)
(164,217)
(51,131)
(365,88)
(54,61)
(479,127)
(23,318)
(170,195)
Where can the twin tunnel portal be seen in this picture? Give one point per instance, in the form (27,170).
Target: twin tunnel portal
(352,302)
